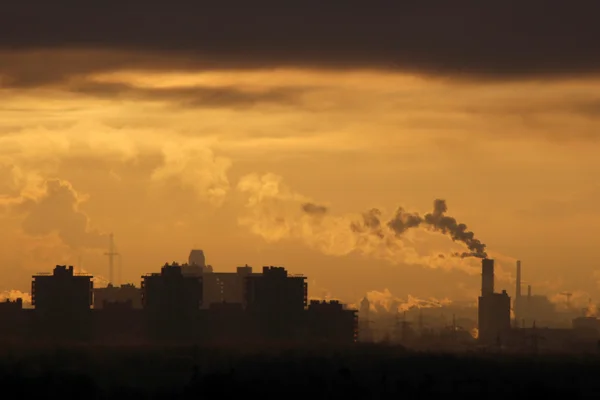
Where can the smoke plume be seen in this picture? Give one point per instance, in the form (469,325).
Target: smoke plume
(402,221)
(275,212)
(370,223)
(438,221)
(457,231)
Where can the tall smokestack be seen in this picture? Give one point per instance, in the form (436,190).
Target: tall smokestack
(528,292)
(518,291)
(487,277)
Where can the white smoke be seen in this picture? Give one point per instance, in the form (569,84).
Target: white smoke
(13,295)
(385,301)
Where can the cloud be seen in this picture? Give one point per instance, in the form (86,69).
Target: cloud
(188,161)
(191,96)
(57,210)
(494,38)
(195,166)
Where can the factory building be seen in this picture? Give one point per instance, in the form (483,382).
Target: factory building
(493,308)
(530,308)
(587,328)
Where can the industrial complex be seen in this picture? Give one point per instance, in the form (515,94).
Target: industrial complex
(525,323)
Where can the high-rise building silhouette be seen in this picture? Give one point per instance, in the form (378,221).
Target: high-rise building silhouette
(62,302)
(252,308)
(172,301)
(62,291)
(277,300)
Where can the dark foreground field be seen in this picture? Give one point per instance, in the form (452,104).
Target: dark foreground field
(351,373)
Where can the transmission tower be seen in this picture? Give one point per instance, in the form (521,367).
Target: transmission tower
(111,259)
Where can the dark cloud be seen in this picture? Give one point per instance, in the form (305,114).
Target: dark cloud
(56,211)
(314,209)
(584,105)
(470,38)
(192,97)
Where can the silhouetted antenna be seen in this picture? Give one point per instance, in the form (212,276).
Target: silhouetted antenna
(111,258)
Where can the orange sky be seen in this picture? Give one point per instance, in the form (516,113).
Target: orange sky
(222,160)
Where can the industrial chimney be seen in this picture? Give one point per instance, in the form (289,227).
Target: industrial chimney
(487,277)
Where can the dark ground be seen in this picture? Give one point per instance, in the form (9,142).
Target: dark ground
(362,372)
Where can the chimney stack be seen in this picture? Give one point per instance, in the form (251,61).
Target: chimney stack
(518,291)
(528,292)
(487,277)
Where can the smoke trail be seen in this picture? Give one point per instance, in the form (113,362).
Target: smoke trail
(275,212)
(438,221)
(370,223)
(458,232)
(402,221)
